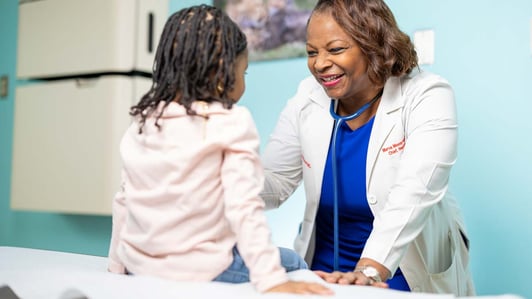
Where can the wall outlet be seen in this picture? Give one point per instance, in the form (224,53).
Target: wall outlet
(4,82)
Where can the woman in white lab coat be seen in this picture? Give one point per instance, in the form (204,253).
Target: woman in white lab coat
(373,138)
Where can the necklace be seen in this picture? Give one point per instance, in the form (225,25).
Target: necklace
(357,113)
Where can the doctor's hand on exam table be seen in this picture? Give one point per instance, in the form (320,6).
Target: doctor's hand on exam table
(349,278)
(359,276)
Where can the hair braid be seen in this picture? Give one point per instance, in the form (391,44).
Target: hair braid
(196,52)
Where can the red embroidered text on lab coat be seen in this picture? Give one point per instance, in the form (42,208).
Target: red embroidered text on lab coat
(394,148)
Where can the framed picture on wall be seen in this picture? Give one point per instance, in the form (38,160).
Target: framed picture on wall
(275,29)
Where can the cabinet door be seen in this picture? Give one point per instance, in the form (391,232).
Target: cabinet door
(60,38)
(66,143)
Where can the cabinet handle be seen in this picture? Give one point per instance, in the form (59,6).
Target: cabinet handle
(150,32)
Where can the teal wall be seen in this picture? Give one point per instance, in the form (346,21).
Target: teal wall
(482,48)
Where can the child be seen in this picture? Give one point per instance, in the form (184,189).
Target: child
(189,207)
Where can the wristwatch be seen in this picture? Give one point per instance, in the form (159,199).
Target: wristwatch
(370,273)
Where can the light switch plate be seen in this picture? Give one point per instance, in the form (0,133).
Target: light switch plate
(424,43)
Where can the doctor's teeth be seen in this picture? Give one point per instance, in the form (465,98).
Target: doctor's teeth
(330,78)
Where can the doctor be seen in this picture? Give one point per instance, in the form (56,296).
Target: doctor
(373,138)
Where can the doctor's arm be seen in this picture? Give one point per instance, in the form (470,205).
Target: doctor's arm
(281,159)
(421,176)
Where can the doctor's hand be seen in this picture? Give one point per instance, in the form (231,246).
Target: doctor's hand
(356,278)
(301,287)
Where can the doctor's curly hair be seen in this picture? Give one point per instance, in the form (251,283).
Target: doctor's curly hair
(195,60)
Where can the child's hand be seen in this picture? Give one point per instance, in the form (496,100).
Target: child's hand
(301,287)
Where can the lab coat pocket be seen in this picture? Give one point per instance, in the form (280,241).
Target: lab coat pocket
(449,280)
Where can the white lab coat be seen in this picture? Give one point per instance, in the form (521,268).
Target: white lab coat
(411,151)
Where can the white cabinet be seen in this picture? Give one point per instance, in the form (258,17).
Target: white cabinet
(65,149)
(72,37)
(95,57)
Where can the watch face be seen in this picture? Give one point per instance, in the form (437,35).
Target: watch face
(370,272)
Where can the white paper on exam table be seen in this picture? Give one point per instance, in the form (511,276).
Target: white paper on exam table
(34,273)
(54,283)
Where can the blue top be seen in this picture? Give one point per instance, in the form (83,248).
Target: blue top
(354,214)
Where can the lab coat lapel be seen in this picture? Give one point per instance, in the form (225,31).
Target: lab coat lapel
(385,120)
(322,124)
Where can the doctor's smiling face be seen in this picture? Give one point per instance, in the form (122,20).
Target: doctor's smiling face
(335,59)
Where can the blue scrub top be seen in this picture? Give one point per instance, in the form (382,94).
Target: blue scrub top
(354,215)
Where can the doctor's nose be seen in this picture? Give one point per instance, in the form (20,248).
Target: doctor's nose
(320,62)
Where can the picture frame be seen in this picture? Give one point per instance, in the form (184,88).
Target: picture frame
(275,29)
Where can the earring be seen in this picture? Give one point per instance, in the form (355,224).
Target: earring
(220,88)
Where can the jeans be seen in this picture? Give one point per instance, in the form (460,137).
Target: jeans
(238,272)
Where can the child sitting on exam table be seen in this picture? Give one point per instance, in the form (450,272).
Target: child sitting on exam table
(188,208)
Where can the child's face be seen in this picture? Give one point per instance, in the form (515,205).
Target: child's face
(240,80)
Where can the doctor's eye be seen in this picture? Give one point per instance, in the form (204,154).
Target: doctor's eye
(312,53)
(337,50)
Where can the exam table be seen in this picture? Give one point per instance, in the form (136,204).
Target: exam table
(34,273)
